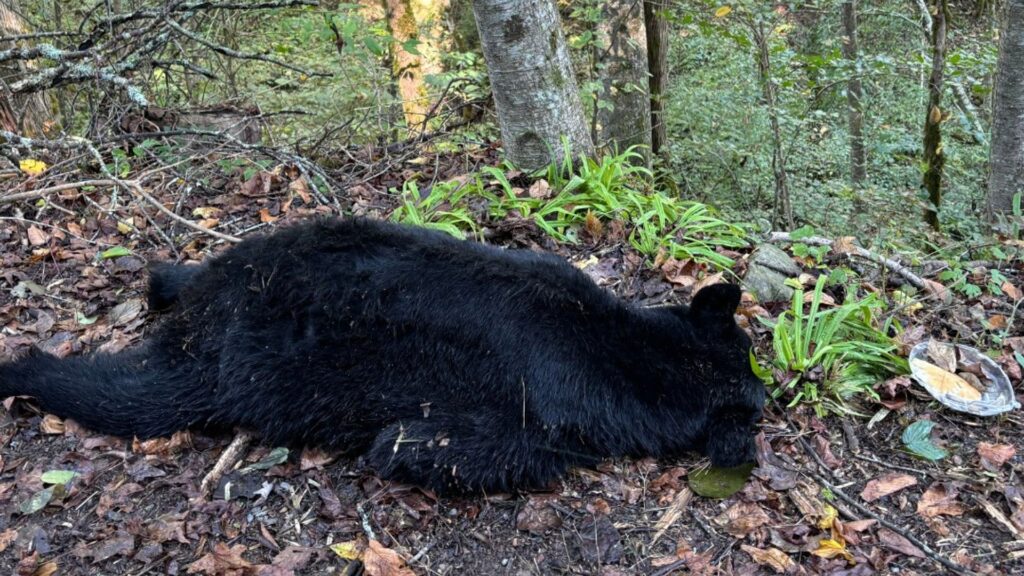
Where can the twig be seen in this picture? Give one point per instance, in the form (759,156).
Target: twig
(33,194)
(820,479)
(365,521)
(889,263)
(136,188)
(231,455)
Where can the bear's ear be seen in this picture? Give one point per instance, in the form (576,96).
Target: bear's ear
(718,302)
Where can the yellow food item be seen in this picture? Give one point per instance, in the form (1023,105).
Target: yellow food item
(946,382)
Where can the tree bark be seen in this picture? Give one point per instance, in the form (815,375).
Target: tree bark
(782,214)
(534,87)
(1007,153)
(414,20)
(854,95)
(656,28)
(934,157)
(26,114)
(622,114)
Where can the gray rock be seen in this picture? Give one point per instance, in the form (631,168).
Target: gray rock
(767,271)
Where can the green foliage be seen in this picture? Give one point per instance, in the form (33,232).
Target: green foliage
(917,439)
(832,354)
(439,209)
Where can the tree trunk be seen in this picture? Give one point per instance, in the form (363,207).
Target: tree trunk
(534,86)
(656,28)
(934,157)
(782,214)
(622,115)
(25,114)
(854,95)
(417,21)
(1007,161)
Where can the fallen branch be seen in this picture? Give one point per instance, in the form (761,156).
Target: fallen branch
(231,455)
(136,189)
(893,265)
(38,193)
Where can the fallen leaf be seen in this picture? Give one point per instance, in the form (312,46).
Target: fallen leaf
(222,561)
(833,548)
(917,439)
(37,237)
(773,558)
(939,500)
(1012,291)
(886,485)
(845,245)
(265,216)
(51,425)
(742,518)
(898,543)
(125,312)
(381,561)
(540,190)
(7,537)
(32,167)
(537,516)
(993,456)
(314,458)
(46,569)
(349,550)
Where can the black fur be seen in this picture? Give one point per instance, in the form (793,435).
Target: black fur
(453,365)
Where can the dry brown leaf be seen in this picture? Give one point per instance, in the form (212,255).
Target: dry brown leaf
(942,355)
(937,290)
(51,425)
(381,561)
(537,516)
(845,245)
(315,458)
(773,558)
(36,236)
(125,312)
(742,518)
(939,500)
(46,569)
(886,485)
(7,537)
(993,456)
(1012,291)
(996,322)
(894,541)
(946,382)
(540,190)
(708,280)
(265,216)
(223,561)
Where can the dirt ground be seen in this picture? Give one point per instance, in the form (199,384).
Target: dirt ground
(830,496)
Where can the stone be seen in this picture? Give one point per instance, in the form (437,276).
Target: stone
(767,271)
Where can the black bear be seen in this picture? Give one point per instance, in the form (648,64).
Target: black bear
(450,364)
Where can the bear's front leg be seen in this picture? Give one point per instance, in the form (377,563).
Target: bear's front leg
(457,454)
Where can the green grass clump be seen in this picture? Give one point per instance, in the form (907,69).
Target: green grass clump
(829,356)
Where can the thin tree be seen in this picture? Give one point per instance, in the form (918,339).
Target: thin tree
(1006,178)
(414,26)
(783,211)
(934,157)
(532,79)
(656,28)
(854,94)
(622,117)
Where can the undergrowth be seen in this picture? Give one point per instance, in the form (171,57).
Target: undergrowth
(826,355)
(614,187)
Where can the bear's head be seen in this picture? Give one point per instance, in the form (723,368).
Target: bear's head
(733,396)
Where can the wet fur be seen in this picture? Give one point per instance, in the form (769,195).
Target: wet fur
(450,364)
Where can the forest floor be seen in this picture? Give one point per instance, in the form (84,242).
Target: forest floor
(830,495)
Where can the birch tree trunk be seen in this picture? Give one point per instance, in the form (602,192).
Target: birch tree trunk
(623,116)
(656,28)
(535,91)
(1007,154)
(854,95)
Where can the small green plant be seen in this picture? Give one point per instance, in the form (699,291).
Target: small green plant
(829,355)
(439,209)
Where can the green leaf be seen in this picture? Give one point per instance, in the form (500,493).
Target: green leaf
(57,476)
(761,372)
(802,232)
(276,456)
(83,319)
(720,482)
(917,439)
(37,501)
(115,252)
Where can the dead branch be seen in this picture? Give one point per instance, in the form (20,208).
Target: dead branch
(231,455)
(892,265)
